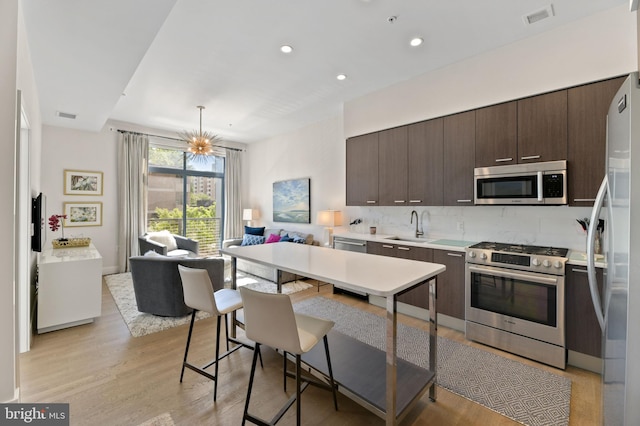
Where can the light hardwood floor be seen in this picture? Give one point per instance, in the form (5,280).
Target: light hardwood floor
(111,378)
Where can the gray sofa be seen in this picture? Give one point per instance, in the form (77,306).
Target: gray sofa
(157,284)
(267,272)
(156,241)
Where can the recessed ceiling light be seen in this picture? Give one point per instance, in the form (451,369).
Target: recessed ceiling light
(341,77)
(416,41)
(286,49)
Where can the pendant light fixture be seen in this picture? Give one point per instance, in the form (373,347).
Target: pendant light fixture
(200,143)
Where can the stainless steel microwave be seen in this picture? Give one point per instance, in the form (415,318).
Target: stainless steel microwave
(526,184)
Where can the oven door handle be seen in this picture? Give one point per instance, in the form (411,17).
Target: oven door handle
(540,184)
(516,275)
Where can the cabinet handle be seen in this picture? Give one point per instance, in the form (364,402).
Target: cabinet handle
(584,271)
(404,248)
(463,201)
(502,160)
(455,254)
(415,201)
(371,201)
(530,157)
(591,200)
(399,201)
(386,246)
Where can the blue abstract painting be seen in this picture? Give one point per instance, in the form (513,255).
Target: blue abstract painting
(291,201)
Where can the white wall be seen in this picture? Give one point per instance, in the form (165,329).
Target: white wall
(8,71)
(597,47)
(315,151)
(81,150)
(594,48)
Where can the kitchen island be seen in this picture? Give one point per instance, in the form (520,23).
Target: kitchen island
(385,277)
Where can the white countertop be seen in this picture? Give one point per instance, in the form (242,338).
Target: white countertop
(69,254)
(434,243)
(579,258)
(377,275)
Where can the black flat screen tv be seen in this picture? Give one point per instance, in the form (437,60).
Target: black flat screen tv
(38,210)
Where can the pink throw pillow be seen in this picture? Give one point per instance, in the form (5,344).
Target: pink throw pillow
(273,238)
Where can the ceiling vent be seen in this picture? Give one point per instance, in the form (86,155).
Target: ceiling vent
(538,15)
(66,115)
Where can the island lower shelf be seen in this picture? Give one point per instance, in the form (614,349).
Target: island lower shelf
(360,369)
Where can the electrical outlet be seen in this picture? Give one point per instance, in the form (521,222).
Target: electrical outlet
(460,226)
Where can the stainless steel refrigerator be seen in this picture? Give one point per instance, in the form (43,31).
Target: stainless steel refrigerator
(618,304)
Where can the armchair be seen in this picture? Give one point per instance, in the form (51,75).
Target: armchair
(167,244)
(158,287)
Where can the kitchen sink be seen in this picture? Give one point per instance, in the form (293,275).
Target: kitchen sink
(409,239)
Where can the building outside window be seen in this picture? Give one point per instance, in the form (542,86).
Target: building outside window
(186,196)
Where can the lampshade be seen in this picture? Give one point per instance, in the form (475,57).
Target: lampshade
(250,214)
(329,218)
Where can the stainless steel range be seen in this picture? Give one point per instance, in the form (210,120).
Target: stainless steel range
(515,299)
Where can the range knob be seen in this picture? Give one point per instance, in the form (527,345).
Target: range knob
(535,262)
(472,254)
(557,264)
(546,263)
(483,256)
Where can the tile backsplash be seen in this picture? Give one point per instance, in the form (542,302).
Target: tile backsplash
(538,225)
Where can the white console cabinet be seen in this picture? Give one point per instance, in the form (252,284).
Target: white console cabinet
(69,287)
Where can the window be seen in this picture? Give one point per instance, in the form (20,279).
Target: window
(186,196)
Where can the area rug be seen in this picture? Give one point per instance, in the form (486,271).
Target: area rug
(141,324)
(523,393)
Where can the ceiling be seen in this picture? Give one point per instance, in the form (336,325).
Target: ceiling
(151,62)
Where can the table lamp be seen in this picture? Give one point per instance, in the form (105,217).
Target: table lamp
(249,215)
(329,219)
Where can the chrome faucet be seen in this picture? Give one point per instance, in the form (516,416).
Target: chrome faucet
(418,233)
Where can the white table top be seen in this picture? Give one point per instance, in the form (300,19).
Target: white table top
(69,254)
(376,275)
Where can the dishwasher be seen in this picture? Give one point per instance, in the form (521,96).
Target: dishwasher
(350,244)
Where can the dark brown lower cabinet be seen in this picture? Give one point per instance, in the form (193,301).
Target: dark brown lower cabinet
(419,296)
(450,299)
(583,332)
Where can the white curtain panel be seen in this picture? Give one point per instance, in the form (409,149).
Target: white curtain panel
(133,152)
(233,204)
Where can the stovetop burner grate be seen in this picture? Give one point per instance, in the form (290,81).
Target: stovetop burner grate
(522,249)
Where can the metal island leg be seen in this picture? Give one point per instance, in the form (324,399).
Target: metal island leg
(391,356)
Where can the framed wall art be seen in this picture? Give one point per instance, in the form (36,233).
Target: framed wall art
(83,214)
(82,182)
(291,201)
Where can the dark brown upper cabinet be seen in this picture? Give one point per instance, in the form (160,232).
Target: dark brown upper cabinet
(362,170)
(542,127)
(459,158)
(425,163)
(392,166)
(586,149)
(497,135)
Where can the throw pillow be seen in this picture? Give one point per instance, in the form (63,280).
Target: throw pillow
(252,240)
(165,238)
(152,253)
(254,230)
(299,240)
(273,238)
(286,238)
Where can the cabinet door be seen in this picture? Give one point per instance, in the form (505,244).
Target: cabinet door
(362,170)
(392,167)
(419,296)
(588,106)
(497,135)
(459,158)
(450,283)
(542,127)
(425,158)
(383,249)
(583,333)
